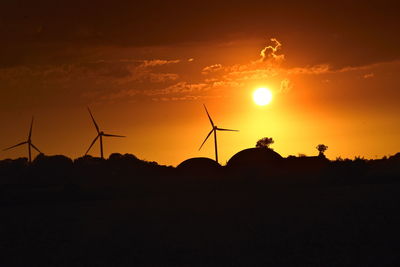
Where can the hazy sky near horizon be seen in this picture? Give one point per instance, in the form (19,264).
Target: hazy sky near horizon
(145,69)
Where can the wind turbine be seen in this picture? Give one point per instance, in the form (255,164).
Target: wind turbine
(214,129)
(28,142)
(100,135)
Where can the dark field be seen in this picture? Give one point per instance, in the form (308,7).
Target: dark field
(276,225)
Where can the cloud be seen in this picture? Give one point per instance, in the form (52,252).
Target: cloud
(99,80)
(68,30)
(117,79)
(249,75)
(211,69)
(162,77)
(312,70)
(270,52)
(369,75)
(100,71)
(178,90)
(145,79)
(327,69)
(185,98)
(144,72)
(157,62)
(268,69)
(267,66)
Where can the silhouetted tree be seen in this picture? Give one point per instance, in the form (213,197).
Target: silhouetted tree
(265,142)
(321,148)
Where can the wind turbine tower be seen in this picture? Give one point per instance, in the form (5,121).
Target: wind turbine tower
(214,130)
(28,142)
(100,134)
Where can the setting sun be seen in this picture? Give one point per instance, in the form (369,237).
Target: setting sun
(262,96)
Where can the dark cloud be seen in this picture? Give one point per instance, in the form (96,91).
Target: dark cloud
(49,31)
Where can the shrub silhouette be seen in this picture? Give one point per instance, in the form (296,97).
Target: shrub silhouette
(265,142)
(321,149)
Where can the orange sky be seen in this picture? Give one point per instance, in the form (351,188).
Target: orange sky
(334,82)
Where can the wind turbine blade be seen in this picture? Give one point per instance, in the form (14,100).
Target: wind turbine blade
(37,149)
(94,122)
(222,129)
(30,130)
(113,135)
(20,144)
(206,139)
(212,123)
(92,144)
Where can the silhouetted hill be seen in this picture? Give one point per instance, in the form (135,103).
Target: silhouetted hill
(255,163)
(125,175)
(254,158)
(124,211)
(199,166)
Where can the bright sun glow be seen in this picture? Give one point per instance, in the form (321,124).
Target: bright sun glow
(262,96)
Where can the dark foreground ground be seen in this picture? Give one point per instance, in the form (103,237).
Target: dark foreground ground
(347,225)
